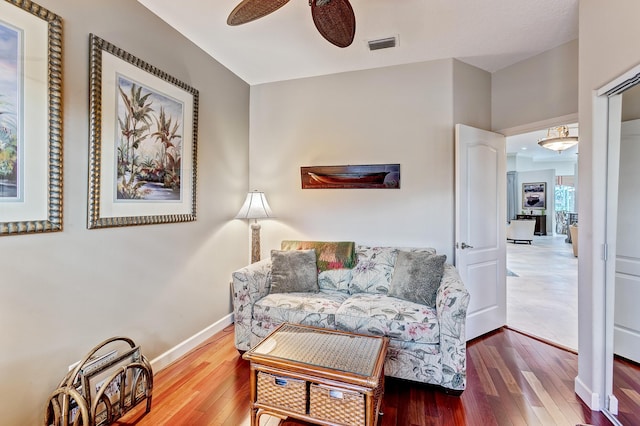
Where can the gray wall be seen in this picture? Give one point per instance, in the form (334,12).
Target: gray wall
(540,88)
(62,293)
(471,96)
(403,114)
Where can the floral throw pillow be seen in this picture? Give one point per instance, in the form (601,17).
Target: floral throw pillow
(335,279)
(374,269)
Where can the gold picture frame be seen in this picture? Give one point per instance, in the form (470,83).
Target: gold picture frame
(30,134)
(143,142)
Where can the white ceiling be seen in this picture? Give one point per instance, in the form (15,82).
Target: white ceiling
(526,145)
(489,34)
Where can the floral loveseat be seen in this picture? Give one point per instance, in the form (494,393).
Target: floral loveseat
(427,344)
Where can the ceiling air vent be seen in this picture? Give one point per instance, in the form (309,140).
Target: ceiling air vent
(382,43)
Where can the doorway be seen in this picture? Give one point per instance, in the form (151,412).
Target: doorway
(616,119)
(542,280)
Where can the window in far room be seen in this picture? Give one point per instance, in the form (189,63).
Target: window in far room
(565,194)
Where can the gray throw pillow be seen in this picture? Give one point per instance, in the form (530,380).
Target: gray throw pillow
(417,276)
(294,271)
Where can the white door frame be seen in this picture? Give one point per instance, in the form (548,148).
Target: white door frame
(602,319)
(539,125)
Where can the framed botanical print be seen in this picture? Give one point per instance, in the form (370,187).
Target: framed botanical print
(144,126)
(30,119)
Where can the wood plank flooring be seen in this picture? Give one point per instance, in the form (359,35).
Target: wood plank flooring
(542,301)
(512,380)
(627,390)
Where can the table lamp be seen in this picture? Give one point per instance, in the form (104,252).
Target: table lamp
(255,207)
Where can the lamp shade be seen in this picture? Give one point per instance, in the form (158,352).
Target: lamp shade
(255,207)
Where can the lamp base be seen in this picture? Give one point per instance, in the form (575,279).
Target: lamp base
(255,242)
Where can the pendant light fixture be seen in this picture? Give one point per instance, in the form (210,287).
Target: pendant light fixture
(558,139)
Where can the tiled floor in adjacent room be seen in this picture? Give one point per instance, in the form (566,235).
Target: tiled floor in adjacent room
(542,300)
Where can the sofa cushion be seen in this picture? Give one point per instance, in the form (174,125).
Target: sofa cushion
(380,315)
(293,271)
(374,269)
(329,254)
(417,276)
(335,280)
(316,309)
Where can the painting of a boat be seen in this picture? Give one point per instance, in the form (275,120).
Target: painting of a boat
(367,176)
(534,195)
(342,178)
(532,200)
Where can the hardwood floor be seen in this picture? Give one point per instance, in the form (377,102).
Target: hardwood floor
(542,301)
(512,380)
(627,390)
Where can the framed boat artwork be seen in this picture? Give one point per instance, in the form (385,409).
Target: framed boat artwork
(379,176)
(534,195)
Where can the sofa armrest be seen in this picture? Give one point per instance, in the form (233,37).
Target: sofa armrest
(250,284)
(452,301)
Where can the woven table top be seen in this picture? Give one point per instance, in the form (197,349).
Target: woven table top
(344,352)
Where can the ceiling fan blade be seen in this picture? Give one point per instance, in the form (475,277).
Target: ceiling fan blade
(250,10)
(335,20)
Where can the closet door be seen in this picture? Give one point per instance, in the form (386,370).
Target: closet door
(627,281)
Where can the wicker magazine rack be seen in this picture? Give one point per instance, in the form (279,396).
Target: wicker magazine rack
(109,381)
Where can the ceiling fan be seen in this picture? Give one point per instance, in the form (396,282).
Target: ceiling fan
(334,19)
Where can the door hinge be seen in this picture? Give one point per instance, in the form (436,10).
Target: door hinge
(605,252)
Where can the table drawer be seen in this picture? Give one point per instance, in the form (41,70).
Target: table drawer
(282,392)
(336,405)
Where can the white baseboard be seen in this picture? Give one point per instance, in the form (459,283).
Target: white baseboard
(181,349)
(590,398)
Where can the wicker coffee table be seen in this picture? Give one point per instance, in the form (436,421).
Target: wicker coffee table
(320,376)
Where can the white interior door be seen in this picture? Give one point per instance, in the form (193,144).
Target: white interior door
(626,338)
(480,226)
